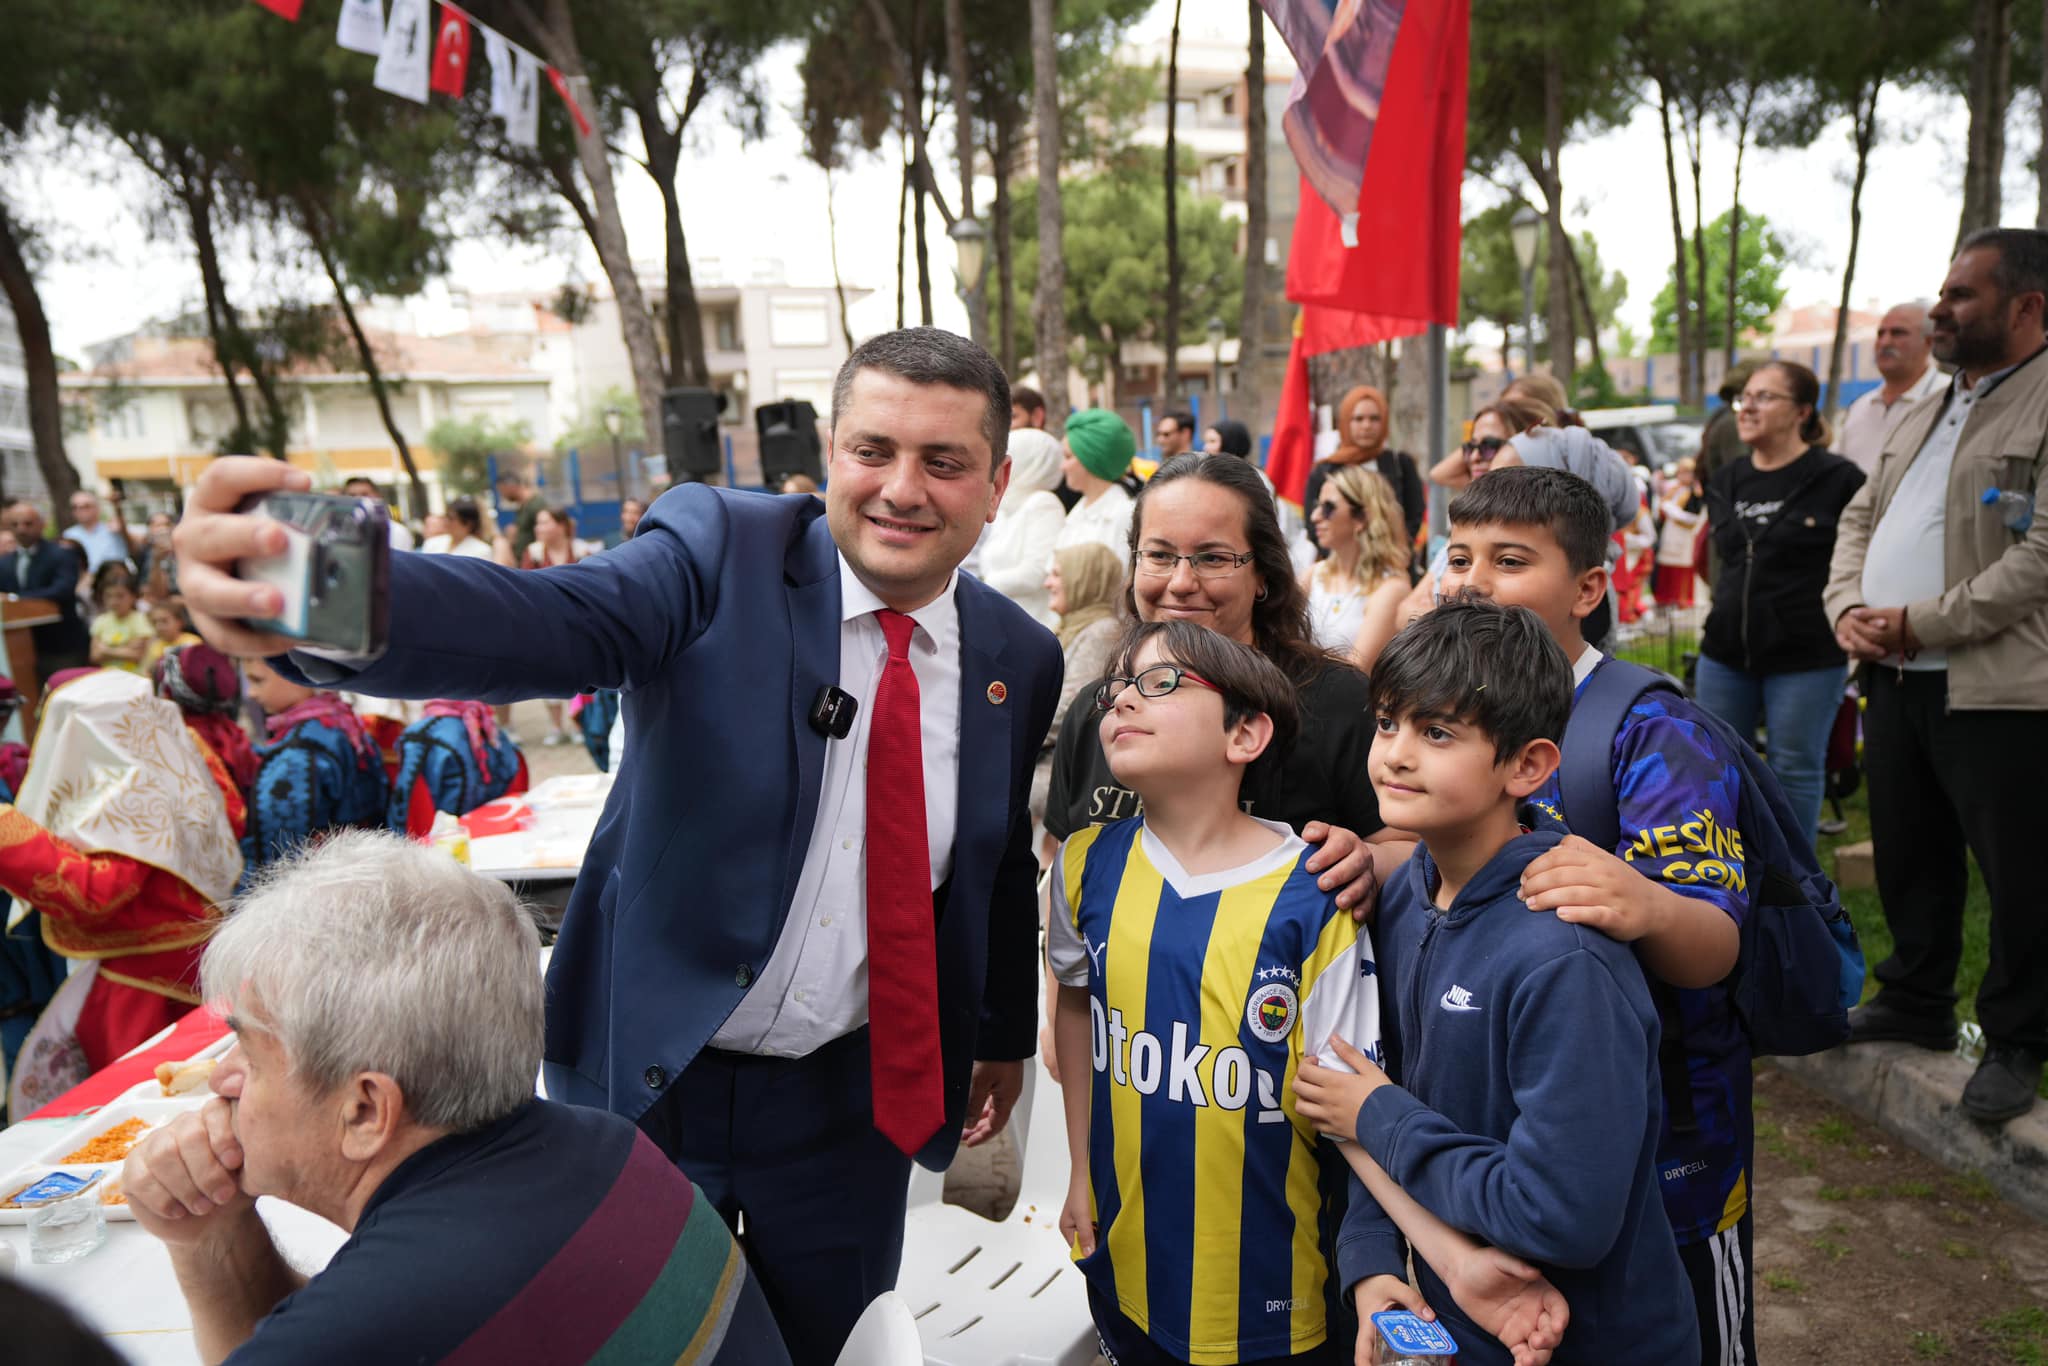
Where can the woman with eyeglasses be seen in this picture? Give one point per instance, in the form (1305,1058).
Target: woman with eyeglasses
(1206,548)
(1355,593)
(1768,653)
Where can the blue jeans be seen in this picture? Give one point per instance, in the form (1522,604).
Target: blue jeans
(1797,711)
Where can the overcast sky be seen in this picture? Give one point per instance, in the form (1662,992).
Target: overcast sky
(743,203)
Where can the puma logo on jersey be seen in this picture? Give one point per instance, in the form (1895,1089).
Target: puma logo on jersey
(1457,998)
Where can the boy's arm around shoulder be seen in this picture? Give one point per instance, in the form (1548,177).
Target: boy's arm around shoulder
(1556,1188)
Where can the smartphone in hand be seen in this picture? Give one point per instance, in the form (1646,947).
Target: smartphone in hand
(335,572)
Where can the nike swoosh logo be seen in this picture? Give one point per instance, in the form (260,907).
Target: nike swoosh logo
(1450,1000)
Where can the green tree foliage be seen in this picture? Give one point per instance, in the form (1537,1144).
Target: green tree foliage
(588,432)
(1761,258)
(1490,281)
(1115,248)
(464,447)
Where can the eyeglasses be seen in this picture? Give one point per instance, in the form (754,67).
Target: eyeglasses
(1757,399)
(1489,444)
(1207,564)
(1156,681)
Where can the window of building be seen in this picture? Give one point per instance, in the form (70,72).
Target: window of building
(815,385)
(1230,104)
(798,322)
(725,330)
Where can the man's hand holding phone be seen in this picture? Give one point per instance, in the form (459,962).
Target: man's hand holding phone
(212,536)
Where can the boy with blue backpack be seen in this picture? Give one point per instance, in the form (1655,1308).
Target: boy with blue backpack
(1702,877)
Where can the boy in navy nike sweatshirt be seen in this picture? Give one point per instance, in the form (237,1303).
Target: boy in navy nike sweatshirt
(1524,1095)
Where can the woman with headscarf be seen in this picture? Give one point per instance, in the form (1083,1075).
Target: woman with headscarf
(1099,447)
(319,770)
(124,839)
(454,758)
(1019,543)
(208,690)
(1362,425)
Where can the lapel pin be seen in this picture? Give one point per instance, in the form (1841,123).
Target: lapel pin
(998,694)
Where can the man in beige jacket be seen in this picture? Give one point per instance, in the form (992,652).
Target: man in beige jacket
(1940,585)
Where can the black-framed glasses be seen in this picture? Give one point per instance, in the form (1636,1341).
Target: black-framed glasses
(1489,445)
(1207,564)
(1155,681)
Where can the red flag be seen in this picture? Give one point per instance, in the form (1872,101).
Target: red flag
(287,9)
(451,53)
(1293,450)
(1405,264)
(575,112)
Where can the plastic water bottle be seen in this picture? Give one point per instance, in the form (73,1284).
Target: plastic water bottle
(2015,509)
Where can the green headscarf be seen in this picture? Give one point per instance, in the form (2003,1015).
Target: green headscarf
(1101,441)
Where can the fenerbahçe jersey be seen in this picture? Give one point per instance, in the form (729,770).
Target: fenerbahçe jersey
(1216,1206)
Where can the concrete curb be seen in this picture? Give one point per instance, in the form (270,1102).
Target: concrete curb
(1916,1095)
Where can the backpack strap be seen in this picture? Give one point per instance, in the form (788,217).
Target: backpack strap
(1586,774)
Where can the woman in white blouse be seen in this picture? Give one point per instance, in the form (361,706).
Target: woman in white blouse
(1019,544)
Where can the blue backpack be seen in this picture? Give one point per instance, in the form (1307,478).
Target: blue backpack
(1800,967)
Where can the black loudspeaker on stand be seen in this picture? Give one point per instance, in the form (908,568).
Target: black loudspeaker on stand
(789,441)
(689,434)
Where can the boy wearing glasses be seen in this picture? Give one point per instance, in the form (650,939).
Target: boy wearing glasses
(1197,962)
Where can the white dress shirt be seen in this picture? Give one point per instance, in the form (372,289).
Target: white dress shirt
(1870,420)
(1106,520)
(814,987)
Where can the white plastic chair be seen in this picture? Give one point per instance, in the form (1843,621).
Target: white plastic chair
(886,1335)
(1001,1294)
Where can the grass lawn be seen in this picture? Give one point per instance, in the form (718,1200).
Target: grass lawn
(1667,651)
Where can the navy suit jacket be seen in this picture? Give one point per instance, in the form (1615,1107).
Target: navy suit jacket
(53,577)
(719,621)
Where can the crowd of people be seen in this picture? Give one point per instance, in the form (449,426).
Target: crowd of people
(1387,912)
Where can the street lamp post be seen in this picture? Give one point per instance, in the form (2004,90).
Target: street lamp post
(970,246)
(1216,362)
(1525,229)
(615,422)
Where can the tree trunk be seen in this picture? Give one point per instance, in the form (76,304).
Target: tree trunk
(902,242)
(2041,166)
(309,218)
(1050,298)
(1687,396)
(1866,135)
(1170,383)
(682,320)
(1585,298)
(1251,313)
(1990,91)
(832,246)
(1695,135)
(1562,348)
(1005,234)
(557,40)
(1735,224)
(39,359)
(924,259)
(963,112)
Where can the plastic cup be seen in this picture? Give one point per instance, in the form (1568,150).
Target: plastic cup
(67,1228)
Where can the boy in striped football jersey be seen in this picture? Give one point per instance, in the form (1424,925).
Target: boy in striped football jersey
(1198,961)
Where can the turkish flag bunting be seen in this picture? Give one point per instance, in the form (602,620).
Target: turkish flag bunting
(575,111)
(288,9)
(451,52)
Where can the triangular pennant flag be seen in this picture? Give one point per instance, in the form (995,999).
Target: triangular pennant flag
(451,53)
(287,9)
(522,127)
(575,111)
(362,26)
(498,53)
(402,65)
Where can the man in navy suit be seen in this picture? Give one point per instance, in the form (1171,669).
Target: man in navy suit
(46,570)
(714,980)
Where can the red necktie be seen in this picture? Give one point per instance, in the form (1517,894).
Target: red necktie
(903,985)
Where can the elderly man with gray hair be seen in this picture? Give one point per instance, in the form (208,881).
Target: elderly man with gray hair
(386,1004)
(1905,358)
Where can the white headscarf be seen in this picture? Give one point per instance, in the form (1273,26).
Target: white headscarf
(115,771)
(1034,464)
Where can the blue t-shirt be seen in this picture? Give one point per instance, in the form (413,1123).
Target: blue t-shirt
(556,1234)
(1679,798)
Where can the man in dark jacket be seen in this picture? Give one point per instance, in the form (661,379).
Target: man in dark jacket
(48,571)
